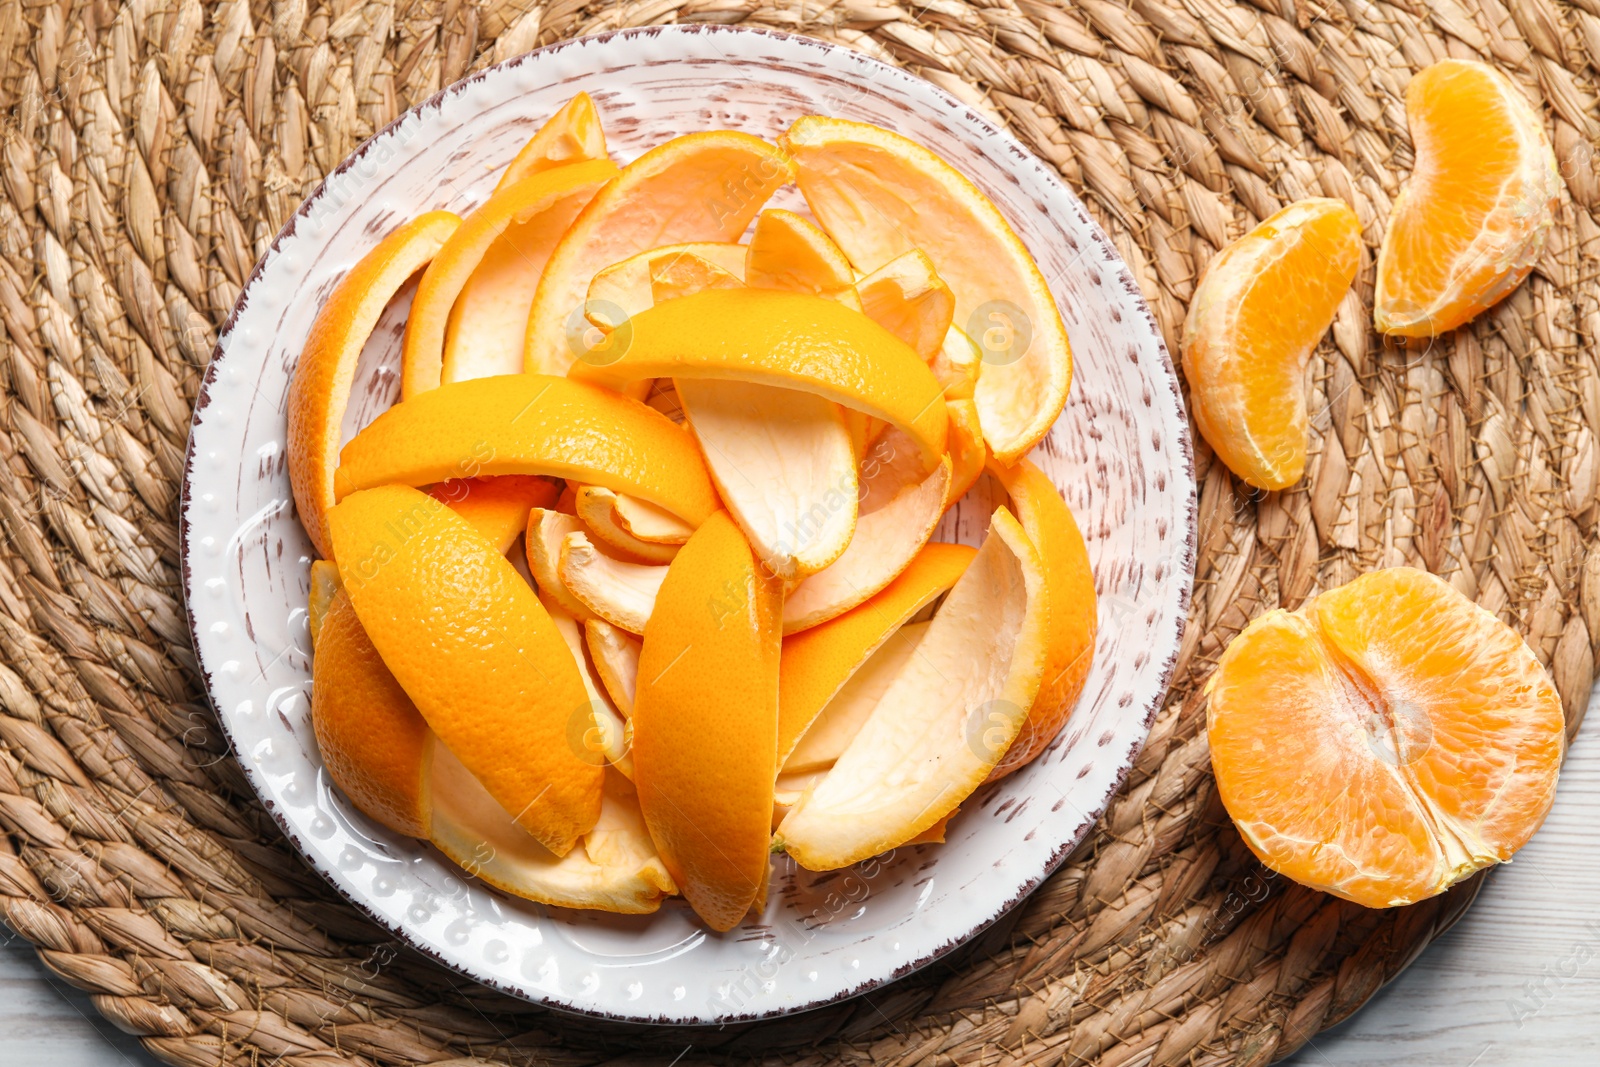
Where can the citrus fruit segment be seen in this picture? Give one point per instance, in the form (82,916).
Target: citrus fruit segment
(944,722)
(546,531)
(615,653)
(705,721)
(1261,306)
(500,248)
(650,523)
(475,650)
(531,424)
(792,253)
(624,289)
(699,187)
(572,135)
(821,660)
(884,544)
(788,340)
(597,508)
(616,869)
(1384,741)
(374,742)
(496,507)
(319,391)
(324,584)
(907,297)
(783,464)
(880,195)
(603,734)
(623,594)
(1469,224)
(1070,594)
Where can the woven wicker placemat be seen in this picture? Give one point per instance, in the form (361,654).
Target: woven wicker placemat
(152,149)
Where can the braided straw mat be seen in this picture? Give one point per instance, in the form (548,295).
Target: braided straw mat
(152,151)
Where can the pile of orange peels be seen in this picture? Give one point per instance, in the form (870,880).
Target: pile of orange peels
(722,459)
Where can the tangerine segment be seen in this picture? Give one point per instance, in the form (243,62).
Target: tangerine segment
(497,507)
(376,745)
(531,424)
(573,134)
(789,340)
(478,287)
(699,187)
(818,662)
(1074,619)
(1471,221)
(705,721)
(946,720)
(1261,306)
(1384,741)
(470,643)
(319,392)
(880,195)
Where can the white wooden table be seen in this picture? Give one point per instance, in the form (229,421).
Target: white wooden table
(1515,984)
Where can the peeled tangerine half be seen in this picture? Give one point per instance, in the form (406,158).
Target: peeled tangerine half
(1261,306)
(1472,219)
(947,719)
(880,195)
(705,721)
(1386,740)
(699,187)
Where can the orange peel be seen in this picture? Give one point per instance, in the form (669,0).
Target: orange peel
(319,391)
(469,311)
(880,195)
(946,720)
(531,424)
(462,632)
(709,806)
(698,187)
(788,340)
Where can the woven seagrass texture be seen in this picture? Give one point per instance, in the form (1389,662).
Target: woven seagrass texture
(152,150)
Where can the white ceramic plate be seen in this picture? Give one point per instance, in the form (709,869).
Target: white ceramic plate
(1120,453)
